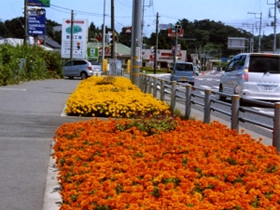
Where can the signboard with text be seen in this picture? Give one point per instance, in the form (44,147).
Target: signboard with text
(38,3)
(92,53)
(37,22)
(172,33)
(80,38)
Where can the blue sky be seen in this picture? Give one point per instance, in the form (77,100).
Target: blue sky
(229,12)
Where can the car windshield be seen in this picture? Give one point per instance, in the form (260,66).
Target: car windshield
(95,63)
(184,67)
(264,64)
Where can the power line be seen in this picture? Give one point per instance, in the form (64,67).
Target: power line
(77,11)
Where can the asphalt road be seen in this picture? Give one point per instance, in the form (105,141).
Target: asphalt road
(30,113)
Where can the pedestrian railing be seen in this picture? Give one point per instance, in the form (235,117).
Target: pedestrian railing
(184,93)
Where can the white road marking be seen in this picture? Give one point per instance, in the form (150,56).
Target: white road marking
(264,110)
(4,88)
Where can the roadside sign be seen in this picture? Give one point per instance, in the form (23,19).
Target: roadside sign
(128,30)
(92,53)
(165,26)
(37,22)
(80,34)
(172,33)
(38,3)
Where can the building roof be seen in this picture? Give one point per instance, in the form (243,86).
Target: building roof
(51,43)
(120,49)
(11,41)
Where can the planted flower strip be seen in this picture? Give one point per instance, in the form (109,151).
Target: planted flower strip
(110,165)
(112,97)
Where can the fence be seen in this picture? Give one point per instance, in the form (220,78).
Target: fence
(185,93)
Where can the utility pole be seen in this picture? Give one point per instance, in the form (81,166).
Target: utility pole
(260,28)
(25,22)
(274,22)
(136,42)
(103,35)
(251,39)
(260,33)
(113,29)
(156,47)
(71,39)
(143,22)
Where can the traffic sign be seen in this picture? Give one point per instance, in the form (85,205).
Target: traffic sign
(92,53)
(80,34)
(172,32)
(37,22)
(38,3)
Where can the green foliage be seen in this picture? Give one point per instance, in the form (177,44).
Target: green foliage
(38,64)
(8,65)
(151,124)
(109,80)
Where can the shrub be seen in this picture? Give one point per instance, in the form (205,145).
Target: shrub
(38,64)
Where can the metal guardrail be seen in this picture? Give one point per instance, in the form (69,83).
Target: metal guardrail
(153,85)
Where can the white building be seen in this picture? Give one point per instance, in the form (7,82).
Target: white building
(165,57)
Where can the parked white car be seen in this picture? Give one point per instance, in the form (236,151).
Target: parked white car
(252,76)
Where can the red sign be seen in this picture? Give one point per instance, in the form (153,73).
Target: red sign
(107,51)
(75,21)
(172,33)
(128,30)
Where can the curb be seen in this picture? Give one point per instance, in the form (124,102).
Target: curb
(52,198)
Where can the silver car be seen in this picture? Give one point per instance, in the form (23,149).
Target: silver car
(77,68)
(252,76)
(183,72)
(96,66)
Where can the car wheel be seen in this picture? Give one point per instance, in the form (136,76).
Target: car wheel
(222,98)
(83,75)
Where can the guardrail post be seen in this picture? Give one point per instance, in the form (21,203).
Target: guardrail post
(207,106)
(155,87)
(276,127)
(145,84)
(188,101)
(173,95)
(162,90)
(141,84)
(235,112)
(150,84)
(143,77)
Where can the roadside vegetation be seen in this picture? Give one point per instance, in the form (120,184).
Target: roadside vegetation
(28,62)
(111,96)
(147,158)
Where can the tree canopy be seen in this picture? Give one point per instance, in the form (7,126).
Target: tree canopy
(199,35)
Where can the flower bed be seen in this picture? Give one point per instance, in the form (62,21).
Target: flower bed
(106,165)
(112,97)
